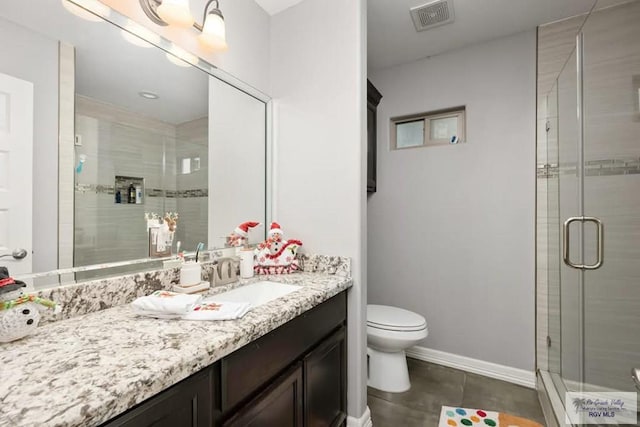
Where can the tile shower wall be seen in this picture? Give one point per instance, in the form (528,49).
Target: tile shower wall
(611,153)
(116,142)
(612,176)
(192,160)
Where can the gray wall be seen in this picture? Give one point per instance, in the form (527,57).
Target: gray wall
(33,57)
(237,166)
(192,140)
(318,52)
(451,228)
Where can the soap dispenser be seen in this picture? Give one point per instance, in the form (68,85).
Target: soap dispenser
(246,262)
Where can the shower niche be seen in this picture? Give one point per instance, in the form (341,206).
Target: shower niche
(128,190)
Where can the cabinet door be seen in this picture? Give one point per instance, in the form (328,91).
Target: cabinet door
(373,99)
(188,403)
(325,376)
(247,370)
(280,405)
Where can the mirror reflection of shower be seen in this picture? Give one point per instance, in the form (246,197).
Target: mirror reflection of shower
(82,158)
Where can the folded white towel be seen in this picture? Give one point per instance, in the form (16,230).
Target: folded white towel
(217,310)
(165,302)
(155,314)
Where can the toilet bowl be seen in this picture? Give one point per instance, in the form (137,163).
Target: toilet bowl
(390,331)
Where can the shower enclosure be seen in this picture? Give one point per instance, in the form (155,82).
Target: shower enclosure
(589,208)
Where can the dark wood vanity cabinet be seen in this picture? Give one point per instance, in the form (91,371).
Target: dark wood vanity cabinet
(296,375)
(186,404)
(312,393)
(279,405)
(325,377)
(373,99)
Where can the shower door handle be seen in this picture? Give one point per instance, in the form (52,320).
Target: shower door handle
(566,238)
(599,242)
(635,375)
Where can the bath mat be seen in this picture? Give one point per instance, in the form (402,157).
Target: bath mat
(451,416)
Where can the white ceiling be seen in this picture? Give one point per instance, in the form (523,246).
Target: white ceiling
(113,70)
(392,38)
(275,6)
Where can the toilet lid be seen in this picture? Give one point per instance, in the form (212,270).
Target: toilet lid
(394,318)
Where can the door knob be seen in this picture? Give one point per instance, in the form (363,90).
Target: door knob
(16,254)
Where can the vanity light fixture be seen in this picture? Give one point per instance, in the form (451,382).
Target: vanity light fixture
(177,12)
(213,33)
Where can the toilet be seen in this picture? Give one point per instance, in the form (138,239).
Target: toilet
(390,331)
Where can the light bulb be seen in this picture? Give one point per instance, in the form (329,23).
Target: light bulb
(213,32)
(176,12)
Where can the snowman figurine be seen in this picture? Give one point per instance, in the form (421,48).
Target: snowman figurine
(276,238)
(19,313)
(276,255)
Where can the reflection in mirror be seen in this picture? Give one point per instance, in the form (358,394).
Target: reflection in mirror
(142,133)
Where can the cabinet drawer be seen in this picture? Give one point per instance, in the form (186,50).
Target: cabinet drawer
(247,369)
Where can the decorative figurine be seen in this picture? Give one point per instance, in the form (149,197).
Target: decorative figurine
(277,255)
(240,235)
(19,315)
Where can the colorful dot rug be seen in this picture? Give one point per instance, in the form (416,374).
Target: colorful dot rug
(463,417)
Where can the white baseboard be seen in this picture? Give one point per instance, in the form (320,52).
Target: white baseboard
(493,370)
(363,421)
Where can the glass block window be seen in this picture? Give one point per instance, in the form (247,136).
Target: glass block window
(442,127)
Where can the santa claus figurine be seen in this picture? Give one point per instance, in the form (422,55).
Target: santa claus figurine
(240,235)
(276,255)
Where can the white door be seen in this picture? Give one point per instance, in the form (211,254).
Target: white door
(16,181)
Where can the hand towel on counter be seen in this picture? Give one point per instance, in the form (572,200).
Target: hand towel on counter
(156,315)
(217,310)
(165,304)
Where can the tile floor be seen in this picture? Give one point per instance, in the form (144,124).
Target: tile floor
(433,386)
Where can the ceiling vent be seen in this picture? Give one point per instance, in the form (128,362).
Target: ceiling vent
(432,14)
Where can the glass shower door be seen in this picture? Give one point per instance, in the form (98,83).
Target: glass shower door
(593,211)
(611,190)
(569,292)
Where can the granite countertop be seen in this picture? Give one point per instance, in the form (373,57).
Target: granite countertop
(86,370)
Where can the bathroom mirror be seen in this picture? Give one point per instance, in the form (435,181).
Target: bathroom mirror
(101,130)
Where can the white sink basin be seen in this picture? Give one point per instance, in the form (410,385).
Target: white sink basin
(255,293)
